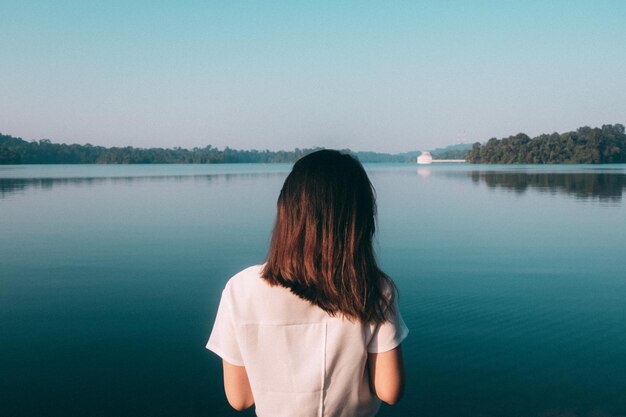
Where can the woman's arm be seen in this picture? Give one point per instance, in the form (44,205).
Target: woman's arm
(237,386)
(387,374)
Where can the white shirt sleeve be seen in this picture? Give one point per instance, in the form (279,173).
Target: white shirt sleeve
(389,334)
(223,340)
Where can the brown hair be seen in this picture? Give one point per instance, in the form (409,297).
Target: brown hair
(321,247)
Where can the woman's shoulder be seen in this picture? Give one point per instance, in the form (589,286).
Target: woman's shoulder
(245,277)
(248,273)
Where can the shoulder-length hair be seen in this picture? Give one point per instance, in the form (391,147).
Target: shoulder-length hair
(321,247)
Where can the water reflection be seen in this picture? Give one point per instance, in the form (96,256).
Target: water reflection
(607,187)
(600,183)
(10,186)
(423,172)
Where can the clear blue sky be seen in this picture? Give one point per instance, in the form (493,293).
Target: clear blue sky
(385,76)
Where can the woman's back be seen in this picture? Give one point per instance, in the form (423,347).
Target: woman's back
(315,331)
(300,361)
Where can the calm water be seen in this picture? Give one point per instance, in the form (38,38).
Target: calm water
(512,281)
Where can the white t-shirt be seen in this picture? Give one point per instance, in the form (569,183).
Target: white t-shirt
(300,361)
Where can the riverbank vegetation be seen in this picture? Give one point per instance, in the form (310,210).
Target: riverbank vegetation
(583,146)
(18,151)
(15,150)
(605,145)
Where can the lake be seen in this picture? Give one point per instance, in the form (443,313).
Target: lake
(512,282)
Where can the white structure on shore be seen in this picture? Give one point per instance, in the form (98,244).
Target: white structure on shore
(425,158)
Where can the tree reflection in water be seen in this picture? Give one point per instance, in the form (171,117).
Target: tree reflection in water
(9,186)
(604,186)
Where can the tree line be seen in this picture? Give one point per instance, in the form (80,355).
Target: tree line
(586,145)
(14,150)
(18,151)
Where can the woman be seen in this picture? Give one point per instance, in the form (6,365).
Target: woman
(316,330)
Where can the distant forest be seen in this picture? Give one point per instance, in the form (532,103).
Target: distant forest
(15,150)
(586,145)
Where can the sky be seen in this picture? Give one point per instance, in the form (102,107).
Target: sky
(387,76)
